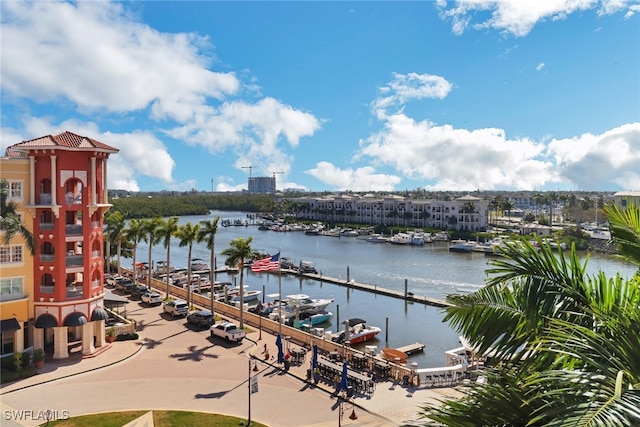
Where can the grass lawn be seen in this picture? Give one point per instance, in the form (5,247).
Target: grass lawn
(160,419)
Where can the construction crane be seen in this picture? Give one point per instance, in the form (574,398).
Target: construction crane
(274,174)
(248,167)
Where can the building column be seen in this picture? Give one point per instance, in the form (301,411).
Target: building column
(38,338)
(54,181)
(105,196)
(61,342)
(87,338)
(93,181)
(98,332)
(18,341)
(32,180)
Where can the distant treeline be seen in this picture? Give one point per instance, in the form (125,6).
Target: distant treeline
(160,205)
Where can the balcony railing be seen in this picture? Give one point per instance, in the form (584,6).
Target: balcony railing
(46,226)
(73,198)
(73,230)
(74,260)
(74,292)
(45,199)
(47,289)
(95,283)
(47,257)
(95,224)
(95,254)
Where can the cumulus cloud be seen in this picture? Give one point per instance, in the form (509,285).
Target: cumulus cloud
(407,87)
(518,17)
(141,153)
(591,161)
(458,159)
(360,179)
(97,58)
(93,55)
(253,131)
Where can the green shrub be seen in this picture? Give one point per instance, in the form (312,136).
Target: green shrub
(127,337)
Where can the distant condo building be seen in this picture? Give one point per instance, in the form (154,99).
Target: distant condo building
(466,213)
(53,299)
(262,185)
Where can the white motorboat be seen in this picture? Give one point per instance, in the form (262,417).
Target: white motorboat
(461,246)
(400,239)
(305,303)
(376,238)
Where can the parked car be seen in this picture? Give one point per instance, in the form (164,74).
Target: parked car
(113,279)
(125,286)
(227,330)
(138,290)
(200,318)
(176,308)
(151,298)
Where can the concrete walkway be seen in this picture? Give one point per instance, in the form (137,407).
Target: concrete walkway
(166,367)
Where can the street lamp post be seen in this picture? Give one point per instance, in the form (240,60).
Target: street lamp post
(341,409)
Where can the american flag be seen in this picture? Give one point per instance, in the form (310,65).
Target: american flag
(271,262)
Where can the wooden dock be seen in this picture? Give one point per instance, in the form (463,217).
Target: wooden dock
(411,348)
(408,296)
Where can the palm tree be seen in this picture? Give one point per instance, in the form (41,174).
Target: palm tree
(115,234)
(134,233)
(207,234)
(10,221)
(167,229)
(151,227)
(188,233)
(237,253)
(566,344)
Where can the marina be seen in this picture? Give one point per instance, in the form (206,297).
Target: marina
(390,286)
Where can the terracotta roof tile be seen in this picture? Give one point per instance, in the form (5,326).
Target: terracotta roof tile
(61,140)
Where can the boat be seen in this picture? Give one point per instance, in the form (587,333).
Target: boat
(394,355)
(376,238)
(348,232)
(305,303)
(355,330)
(198,264)
(310,319)
(400,239)
(247,295)
(461,246)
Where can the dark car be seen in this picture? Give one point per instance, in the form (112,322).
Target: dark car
(200,318)
(125,286)
(138,290)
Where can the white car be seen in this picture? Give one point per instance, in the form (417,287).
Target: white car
(111,280)
(151,298)
(176,308)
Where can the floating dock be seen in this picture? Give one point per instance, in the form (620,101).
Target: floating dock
(408,296)
(411,348)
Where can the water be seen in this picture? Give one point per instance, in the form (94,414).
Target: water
(429,270)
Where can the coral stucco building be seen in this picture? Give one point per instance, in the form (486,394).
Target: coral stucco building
(54,298)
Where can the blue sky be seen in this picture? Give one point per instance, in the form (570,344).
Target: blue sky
(361,96)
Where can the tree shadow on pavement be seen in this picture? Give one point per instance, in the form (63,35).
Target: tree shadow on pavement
(195,354)
(151,343)
(215,395)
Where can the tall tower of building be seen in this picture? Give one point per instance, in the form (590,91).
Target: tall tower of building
(64,182)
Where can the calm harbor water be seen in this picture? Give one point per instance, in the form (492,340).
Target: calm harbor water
(429,270)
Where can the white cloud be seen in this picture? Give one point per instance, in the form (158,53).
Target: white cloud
(518,17)
(253,131)
(360,179)
(407,87)
(457,159)
(95,56)
(540,66)
(591,161)
(141,153)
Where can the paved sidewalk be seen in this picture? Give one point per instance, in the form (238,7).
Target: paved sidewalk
(391,403)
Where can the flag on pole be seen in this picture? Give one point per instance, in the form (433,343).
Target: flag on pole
(266,264)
